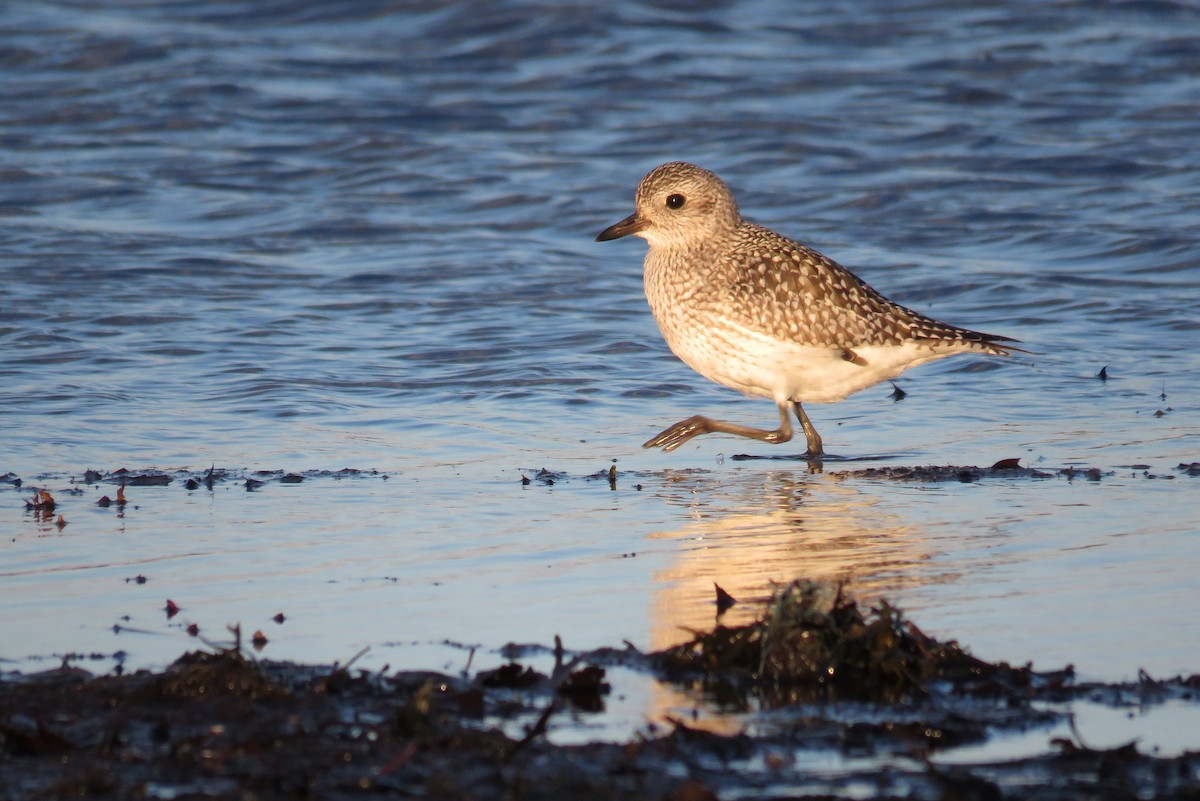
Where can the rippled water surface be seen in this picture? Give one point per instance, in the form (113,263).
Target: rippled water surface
(307,236)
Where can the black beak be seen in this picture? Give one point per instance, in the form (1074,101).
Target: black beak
(630,225)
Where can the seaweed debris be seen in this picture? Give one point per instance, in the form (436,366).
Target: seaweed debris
(814,643)
(224,726)
(1005,468)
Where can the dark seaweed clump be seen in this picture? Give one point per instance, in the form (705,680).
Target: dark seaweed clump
(809,646)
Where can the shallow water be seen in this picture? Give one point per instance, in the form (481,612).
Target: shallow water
(305,237)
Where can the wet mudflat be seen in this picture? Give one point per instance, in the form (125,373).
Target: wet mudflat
(854,702)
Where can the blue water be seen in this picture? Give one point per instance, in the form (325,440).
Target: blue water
(304,236)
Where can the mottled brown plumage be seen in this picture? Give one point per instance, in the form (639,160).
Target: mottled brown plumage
(755,311)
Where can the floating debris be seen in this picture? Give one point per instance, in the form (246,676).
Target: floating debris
(548,477)
(725,601)
(1005,468)
(149,480)
(42,501)
(585,688)
(1090,473)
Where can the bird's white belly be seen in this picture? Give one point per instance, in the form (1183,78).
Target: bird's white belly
(758,364)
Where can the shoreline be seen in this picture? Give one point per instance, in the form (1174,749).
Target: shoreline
(814,680)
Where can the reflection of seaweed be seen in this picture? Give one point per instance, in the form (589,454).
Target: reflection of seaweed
(808,646)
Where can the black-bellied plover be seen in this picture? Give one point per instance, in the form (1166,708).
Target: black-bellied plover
(755,311)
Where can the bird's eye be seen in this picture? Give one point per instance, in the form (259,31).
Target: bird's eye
(676,201)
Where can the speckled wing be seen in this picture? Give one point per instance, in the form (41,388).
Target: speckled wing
(795,294)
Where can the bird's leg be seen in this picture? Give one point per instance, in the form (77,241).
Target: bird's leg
(815,447)
(671,438)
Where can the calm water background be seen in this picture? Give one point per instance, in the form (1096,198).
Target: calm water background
(307,236)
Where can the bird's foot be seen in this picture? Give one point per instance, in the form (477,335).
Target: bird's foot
(672,437)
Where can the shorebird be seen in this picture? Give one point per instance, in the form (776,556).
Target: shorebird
(758,312)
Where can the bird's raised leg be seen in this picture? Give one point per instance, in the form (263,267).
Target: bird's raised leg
(671,438)
(815,446)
